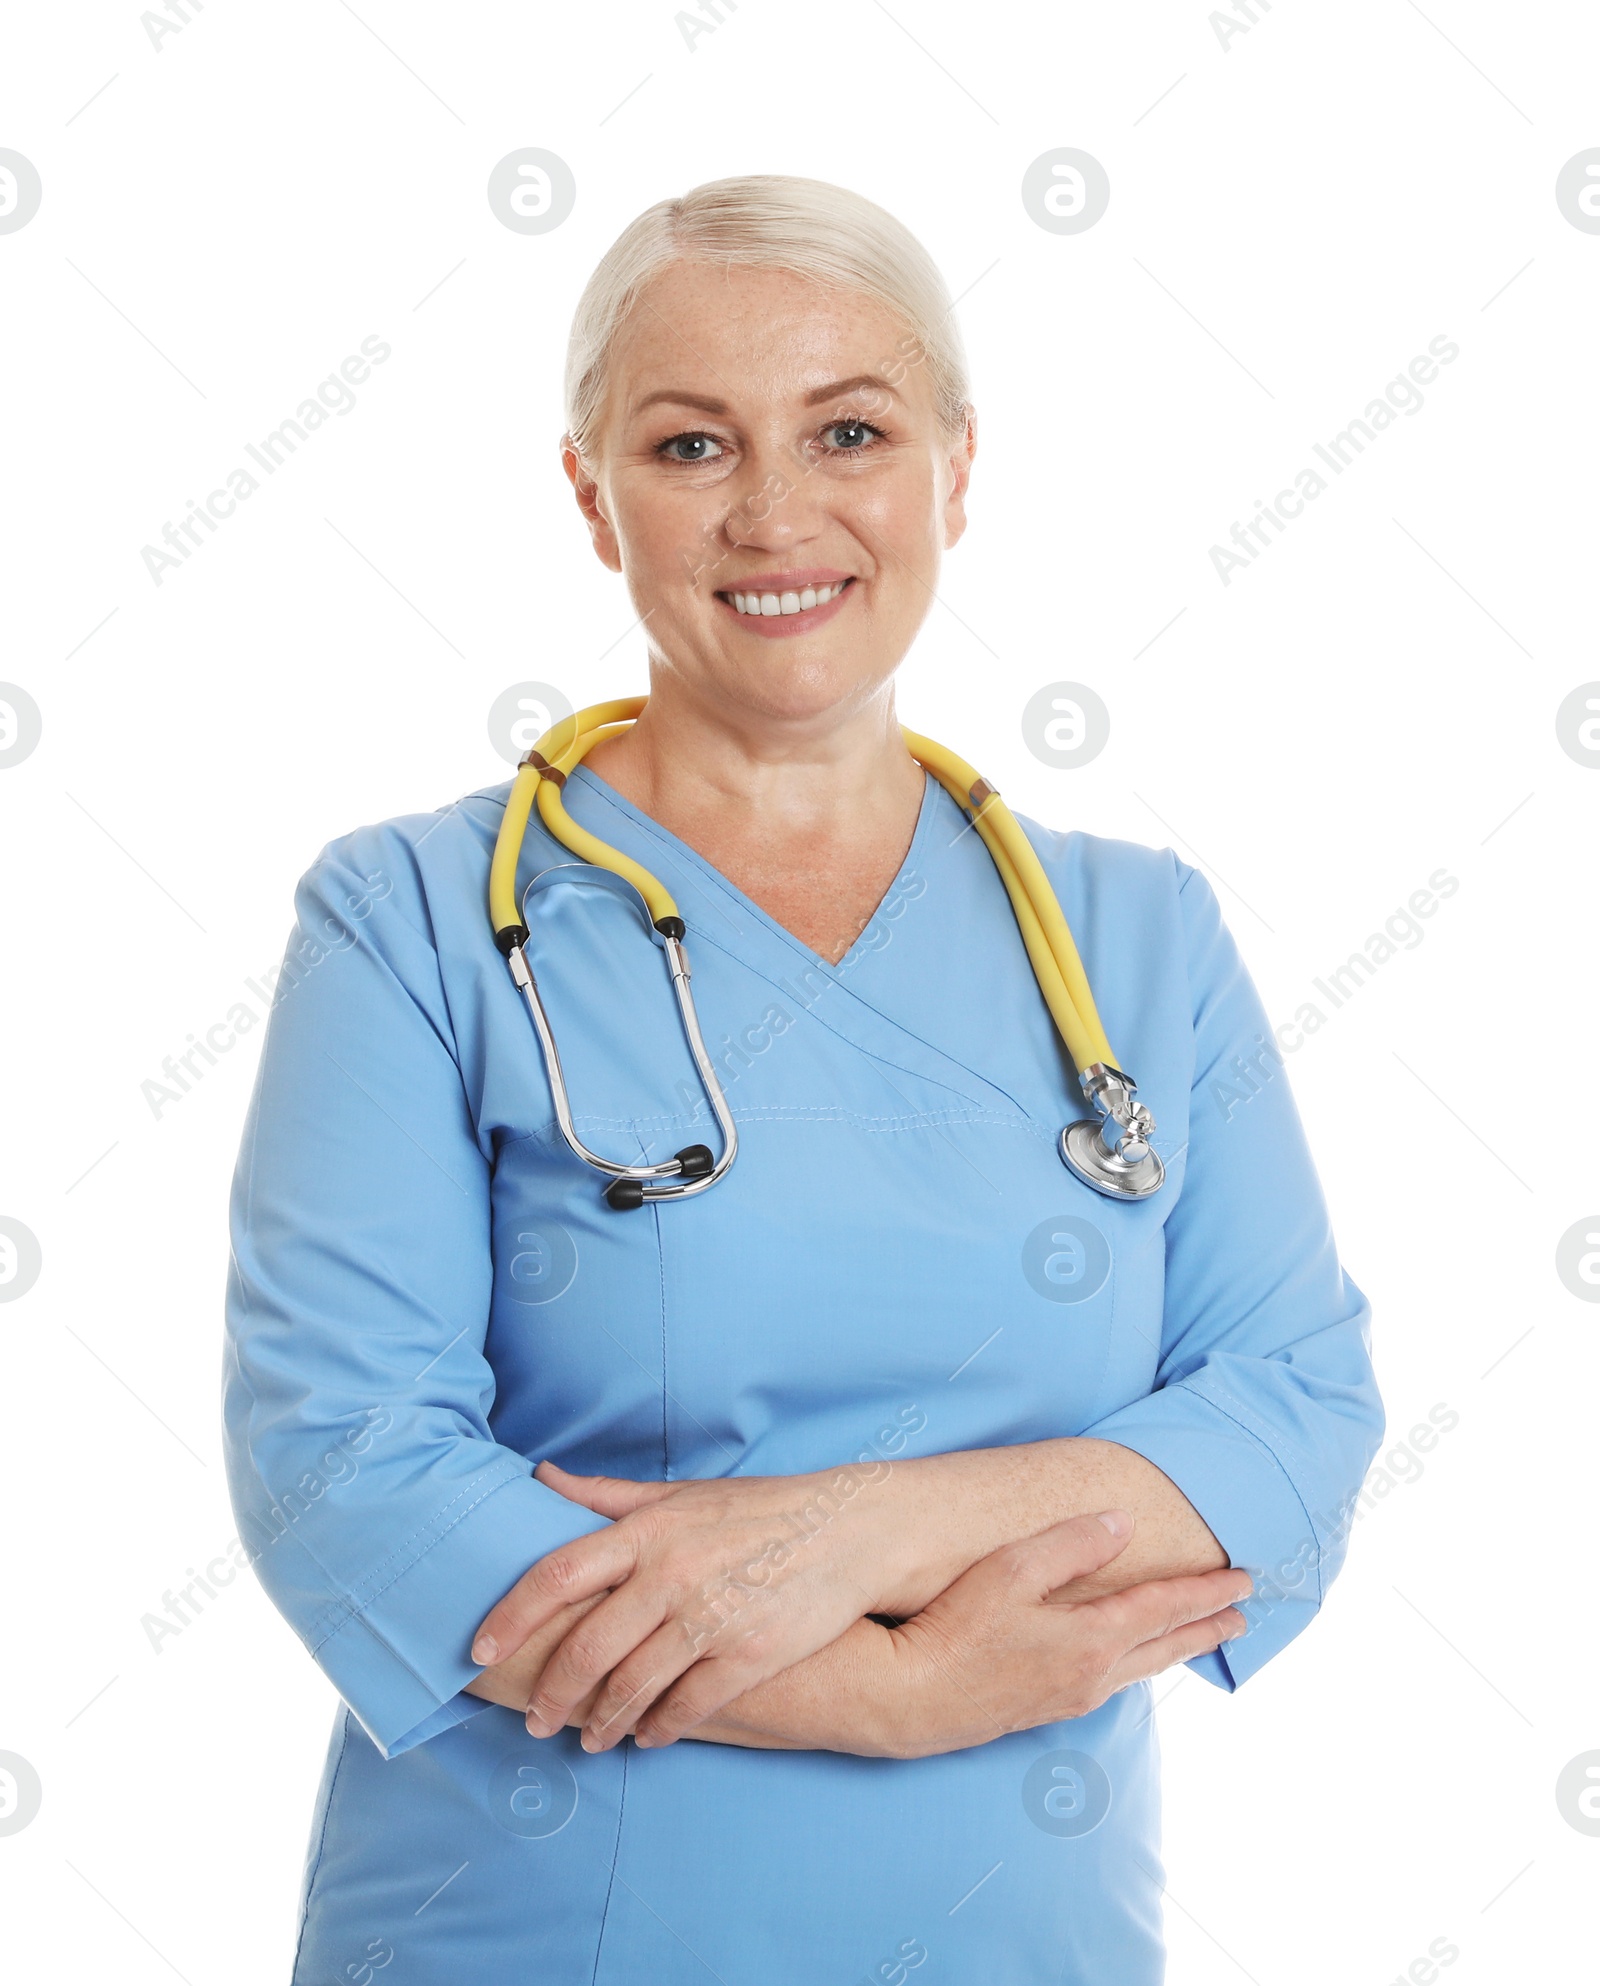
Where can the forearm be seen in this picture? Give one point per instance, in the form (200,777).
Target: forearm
(989,1497)
(839,1699)
(868,1691)
(854,1695)
(952,1511)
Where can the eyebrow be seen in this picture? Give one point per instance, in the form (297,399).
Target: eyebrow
(836,389)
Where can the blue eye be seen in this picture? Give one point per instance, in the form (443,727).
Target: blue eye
(852,426)
(700,442)
(695,446)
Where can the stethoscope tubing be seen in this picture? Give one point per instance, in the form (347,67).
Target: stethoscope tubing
(1124,1168)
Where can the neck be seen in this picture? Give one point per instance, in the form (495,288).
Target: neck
(691,762)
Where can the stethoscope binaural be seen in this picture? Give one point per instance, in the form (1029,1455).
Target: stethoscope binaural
(1124,1165)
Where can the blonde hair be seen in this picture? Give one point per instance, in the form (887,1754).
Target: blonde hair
(773,221)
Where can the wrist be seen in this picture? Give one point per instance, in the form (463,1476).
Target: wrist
(900,1707)
(941,1515)
(842,1698)
(868,1698)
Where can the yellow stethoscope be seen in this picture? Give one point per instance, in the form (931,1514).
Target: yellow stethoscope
(1123,1165)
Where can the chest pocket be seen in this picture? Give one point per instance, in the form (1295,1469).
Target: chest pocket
(946,1277)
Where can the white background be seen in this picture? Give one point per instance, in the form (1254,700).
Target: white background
(1292,219)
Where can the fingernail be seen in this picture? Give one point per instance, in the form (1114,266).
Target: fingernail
(590,1741)
(643,1741)
(485,1649)
(1117,1522)
(539,1726)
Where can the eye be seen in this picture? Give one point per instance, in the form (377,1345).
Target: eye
(698,445)
(854,429)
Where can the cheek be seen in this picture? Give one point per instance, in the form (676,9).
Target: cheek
(672,561)
(900,525)
(657,522)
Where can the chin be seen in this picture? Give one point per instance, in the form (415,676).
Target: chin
(803,687)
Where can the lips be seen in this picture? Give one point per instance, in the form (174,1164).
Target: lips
(771,602)
(787,608)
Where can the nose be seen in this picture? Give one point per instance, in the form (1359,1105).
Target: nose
(774,504)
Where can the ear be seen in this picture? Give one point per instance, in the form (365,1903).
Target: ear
(959,468)
(587,492)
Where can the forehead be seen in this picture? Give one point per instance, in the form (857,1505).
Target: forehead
(747,336)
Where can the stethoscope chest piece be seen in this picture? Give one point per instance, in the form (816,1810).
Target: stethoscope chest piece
(1124,1165)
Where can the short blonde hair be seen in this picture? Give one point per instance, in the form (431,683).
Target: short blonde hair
(774,221)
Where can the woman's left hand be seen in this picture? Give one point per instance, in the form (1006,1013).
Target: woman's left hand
(717,1585)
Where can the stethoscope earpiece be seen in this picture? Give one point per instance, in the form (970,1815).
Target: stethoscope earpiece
(693,1162)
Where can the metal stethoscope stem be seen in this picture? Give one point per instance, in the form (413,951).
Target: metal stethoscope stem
(695,1167)
(1112,1151)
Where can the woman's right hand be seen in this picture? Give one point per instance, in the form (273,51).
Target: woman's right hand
(994,1653)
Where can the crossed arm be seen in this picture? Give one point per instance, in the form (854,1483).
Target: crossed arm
(1030,1583)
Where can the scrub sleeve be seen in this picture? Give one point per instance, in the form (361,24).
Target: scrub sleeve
(382,1516)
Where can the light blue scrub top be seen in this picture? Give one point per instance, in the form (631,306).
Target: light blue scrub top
(429,1294)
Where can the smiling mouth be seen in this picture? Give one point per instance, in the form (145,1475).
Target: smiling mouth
(777,606)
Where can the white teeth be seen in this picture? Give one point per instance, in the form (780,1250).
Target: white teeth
(771,604)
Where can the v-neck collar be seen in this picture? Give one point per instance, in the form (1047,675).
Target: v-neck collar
(713,879)
(855,1008)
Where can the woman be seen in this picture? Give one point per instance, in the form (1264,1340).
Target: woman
(898,1366)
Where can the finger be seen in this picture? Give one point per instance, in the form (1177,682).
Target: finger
(1199,1637)
(1056,1556)
(637,1684)
(575,1571)
(724,1652)
(609,1496)
(704,1689)
(591,1648)
(1159,1606)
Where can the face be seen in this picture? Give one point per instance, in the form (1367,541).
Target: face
(771,481)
